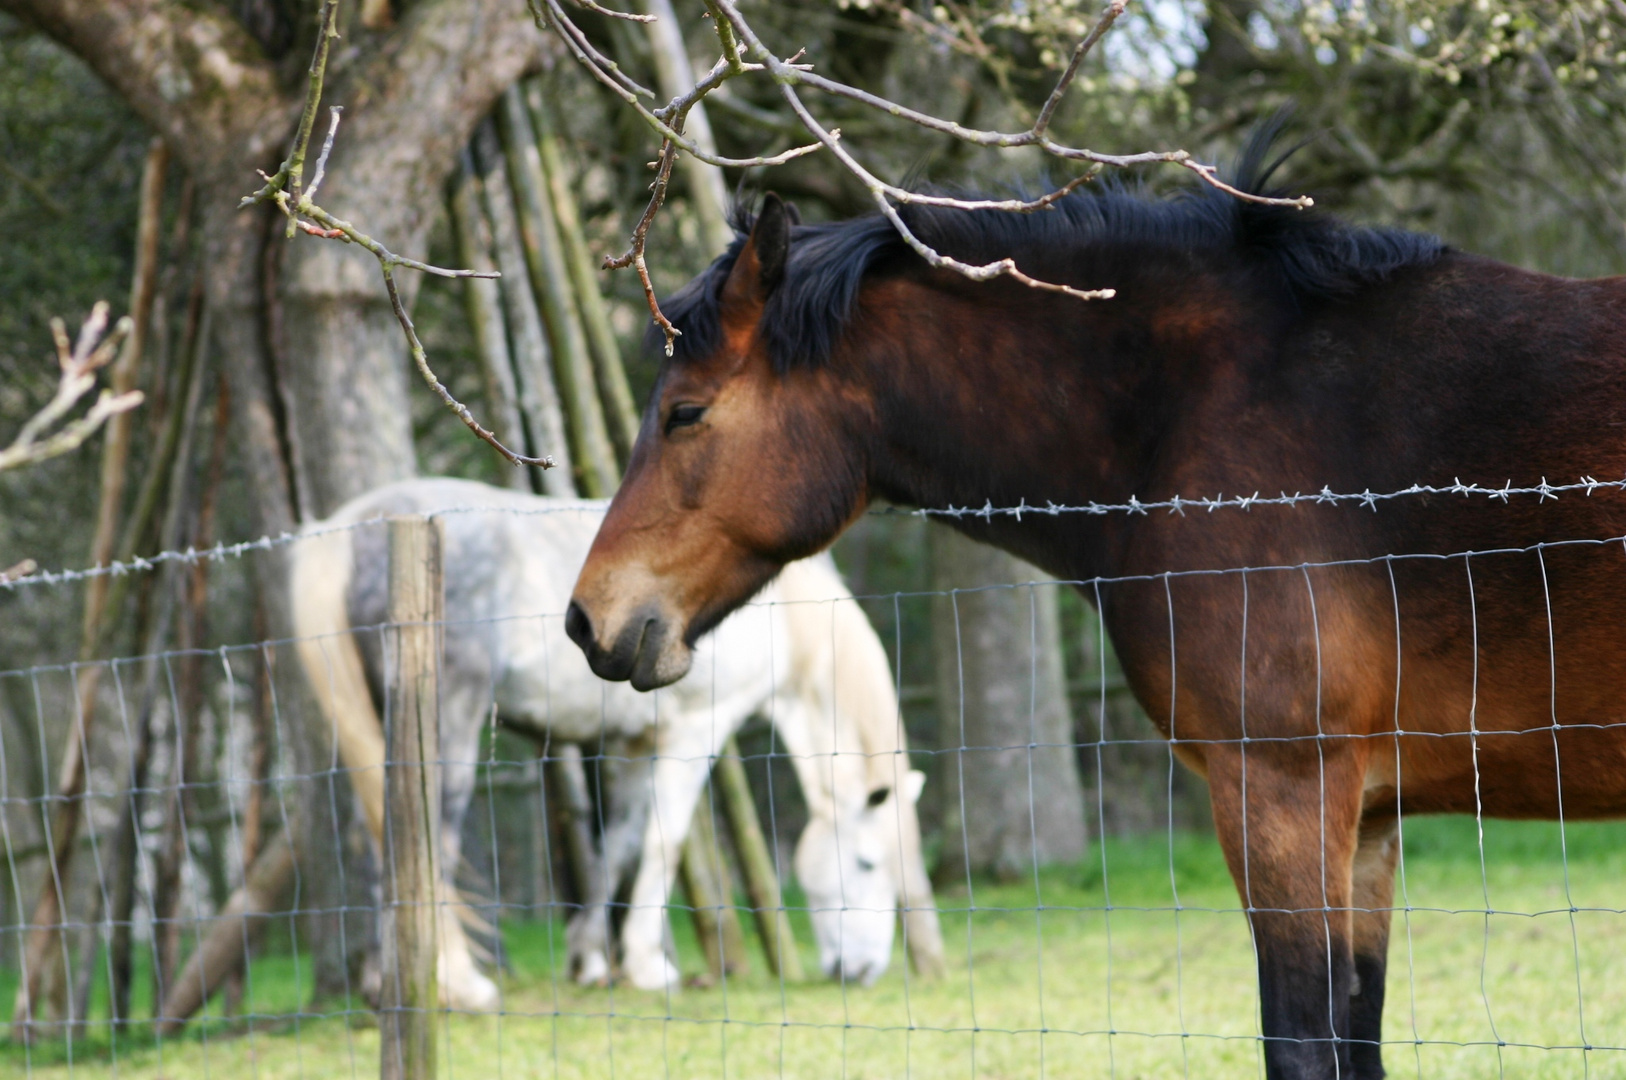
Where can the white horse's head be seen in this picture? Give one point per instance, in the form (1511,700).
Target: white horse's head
(849,863)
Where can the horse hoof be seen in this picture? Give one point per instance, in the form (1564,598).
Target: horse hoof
(592,969)
(653,973)
(472,993)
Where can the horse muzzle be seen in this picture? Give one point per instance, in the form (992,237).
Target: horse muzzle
(647,650)
(863,972)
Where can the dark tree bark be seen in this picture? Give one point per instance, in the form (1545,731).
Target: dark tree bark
(1011,774)
(317,365)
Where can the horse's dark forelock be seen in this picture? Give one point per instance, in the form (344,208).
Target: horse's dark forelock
(1310,254)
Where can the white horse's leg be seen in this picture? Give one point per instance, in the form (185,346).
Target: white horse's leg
(685,747)
(463,715)
(624,791)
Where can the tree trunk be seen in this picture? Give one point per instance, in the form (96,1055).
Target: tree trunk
(247,336)
(596,471)
(482,305)
(320,401)
(1004,715)
(619,410)
(528,340)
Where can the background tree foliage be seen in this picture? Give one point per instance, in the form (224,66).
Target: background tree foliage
(70,161)
(1499,124)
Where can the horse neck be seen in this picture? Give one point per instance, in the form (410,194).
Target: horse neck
(999,394)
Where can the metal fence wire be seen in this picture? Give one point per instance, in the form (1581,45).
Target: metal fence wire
(250,890)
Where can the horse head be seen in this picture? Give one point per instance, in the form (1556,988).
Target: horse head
(738,469)
(849,863)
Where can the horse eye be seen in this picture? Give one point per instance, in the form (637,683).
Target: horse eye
(684,416)
(865,865)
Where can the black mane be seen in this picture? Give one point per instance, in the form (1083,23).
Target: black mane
(1311,255)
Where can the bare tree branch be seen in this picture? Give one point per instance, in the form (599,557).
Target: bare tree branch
(607,13)
(738,41)
(327,148)
(640,236)
(78,361)
(18,572)
(285,191)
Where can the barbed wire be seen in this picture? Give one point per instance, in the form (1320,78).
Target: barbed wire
(1175,504)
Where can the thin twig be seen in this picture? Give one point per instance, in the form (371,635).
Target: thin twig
(338,229)
(329,22)
(291,174)
(18,572)
(609,73)
(1097,32)
(78,361)
(607,70)
(327,148)
(421,360)
(640,236)
(599,9)
(725,38)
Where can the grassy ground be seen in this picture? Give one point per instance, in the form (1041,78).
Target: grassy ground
(1109,979)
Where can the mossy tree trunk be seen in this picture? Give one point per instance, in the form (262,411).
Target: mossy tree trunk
(318,369)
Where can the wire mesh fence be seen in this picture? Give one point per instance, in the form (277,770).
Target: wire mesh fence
(228,900)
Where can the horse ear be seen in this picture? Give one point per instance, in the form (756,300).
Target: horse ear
(771,238)
(760,266)
(914,782)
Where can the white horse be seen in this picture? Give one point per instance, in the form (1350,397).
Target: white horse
(804,656)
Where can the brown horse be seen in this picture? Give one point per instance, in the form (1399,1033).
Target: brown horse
(1431,654)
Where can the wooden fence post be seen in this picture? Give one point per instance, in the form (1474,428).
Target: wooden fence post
(756,864)
(411,803)
(710,891)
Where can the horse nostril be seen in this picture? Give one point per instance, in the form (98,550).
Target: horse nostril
(578,627)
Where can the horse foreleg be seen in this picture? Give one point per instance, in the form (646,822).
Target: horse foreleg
(463,985)
(676,779)
(1374,890)
(1287,817)
(624,793)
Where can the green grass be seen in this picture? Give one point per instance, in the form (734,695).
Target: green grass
(1102,981)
